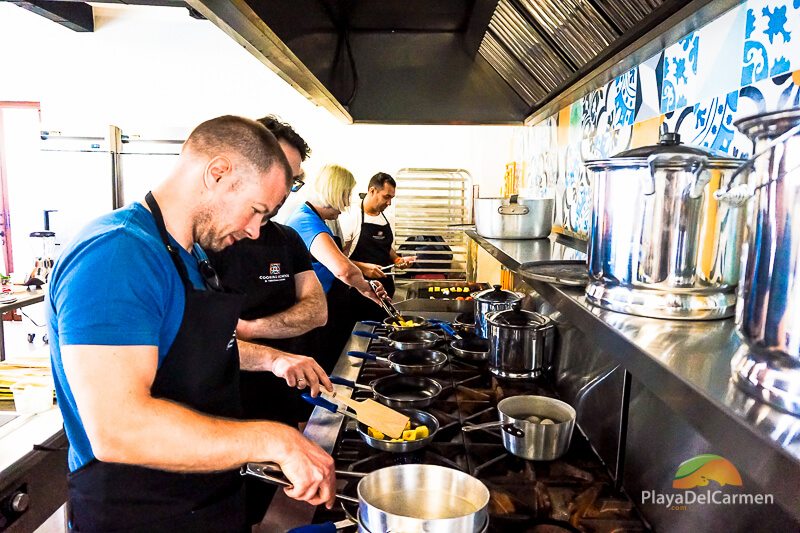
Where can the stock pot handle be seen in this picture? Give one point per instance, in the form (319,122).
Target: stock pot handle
(699,178)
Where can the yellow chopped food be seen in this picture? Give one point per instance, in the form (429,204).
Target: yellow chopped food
(375,434)
(409,434)
(404,324)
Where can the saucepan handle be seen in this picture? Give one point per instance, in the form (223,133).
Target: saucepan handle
(487,425)
(372,323)
(363,355)
(366,335)
(320,402)
(348,383)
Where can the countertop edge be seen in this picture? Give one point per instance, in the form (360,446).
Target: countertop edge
(715,421)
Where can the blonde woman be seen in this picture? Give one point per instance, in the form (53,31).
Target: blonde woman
(330,195)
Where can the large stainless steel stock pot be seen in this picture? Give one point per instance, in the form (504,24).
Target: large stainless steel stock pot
(661,245)
(768,308)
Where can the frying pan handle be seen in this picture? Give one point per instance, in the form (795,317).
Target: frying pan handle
(327,527)
(366,334)
(362,355)
(319,401)
(341,381)
(372,323)
(449,330)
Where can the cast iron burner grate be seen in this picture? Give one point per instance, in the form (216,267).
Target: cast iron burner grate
(573,493)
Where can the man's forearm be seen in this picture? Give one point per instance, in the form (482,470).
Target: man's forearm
(194,443)
(301,318)
(256,357)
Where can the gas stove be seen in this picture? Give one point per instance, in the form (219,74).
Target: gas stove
(573,493)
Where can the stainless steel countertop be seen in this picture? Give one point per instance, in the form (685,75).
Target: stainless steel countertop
(18,436)
(687,365)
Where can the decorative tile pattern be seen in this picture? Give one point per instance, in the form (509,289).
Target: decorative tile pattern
(576,201)
(771,94)
(627,98)
(651,76)
(708,124)
(596,112)
(719,61)
(772,39)
(680,73)
(646,133)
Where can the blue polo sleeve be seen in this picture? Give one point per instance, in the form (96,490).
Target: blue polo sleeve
(112,290)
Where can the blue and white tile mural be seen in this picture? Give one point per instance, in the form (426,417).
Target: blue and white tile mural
(744,62)
(772,39)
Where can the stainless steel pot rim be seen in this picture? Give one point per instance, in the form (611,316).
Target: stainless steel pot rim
(531,397)
(498,295)
(528,319)
(465,478)
(765,120)
(713,163)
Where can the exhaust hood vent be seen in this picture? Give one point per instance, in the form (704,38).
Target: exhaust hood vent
(535,44)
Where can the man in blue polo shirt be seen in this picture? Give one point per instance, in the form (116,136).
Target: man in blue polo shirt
(143,348)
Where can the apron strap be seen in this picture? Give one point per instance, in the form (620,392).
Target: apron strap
(155,210)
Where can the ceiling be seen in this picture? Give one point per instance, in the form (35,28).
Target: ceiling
(425,61)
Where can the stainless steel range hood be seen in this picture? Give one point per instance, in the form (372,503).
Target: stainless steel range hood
(450,61)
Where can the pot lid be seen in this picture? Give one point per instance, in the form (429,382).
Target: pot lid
(517,319)
(770,124)
(670,150)
(498,295)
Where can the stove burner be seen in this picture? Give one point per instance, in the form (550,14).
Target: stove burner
(573,493)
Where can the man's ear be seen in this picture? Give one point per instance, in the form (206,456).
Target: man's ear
(218,168)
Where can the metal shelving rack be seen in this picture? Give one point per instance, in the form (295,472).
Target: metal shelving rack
(431,202)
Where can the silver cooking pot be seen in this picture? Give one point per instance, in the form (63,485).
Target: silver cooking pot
(520,343)
(514,217)
(661,245)
(768,310)
(419,497)
(494,299)
(529,439)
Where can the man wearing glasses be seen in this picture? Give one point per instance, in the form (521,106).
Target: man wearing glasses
(144,353)
(284,303)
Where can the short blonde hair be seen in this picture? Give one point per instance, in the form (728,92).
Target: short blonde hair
(333,186)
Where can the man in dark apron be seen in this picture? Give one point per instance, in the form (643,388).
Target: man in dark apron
(284,303)
(144,354)
(370,244)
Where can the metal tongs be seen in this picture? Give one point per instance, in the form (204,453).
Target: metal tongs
(272,473)
(390,309)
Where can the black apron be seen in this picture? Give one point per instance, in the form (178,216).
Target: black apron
(334,335)
(374,246)
(201,371)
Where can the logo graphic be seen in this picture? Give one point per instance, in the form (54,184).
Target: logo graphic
(274,269)
(702,469)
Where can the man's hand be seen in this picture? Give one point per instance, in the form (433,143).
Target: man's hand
(370,270)
(405,262)
(301,372)
(375,294)
(309,469)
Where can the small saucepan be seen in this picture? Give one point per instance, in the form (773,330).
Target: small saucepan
(399,391)
(415,362)
(523,432)
(465,323)
(405,339)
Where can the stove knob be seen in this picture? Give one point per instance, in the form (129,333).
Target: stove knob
(19,502)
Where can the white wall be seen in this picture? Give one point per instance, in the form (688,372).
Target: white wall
(156,71)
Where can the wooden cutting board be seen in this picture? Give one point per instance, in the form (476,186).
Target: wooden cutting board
(375,415)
